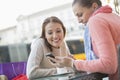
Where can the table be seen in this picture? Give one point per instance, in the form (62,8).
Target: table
(75,76)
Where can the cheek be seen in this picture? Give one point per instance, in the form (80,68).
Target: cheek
(47,37)
(62,35)
(48,40)
(86,18)
(88,15)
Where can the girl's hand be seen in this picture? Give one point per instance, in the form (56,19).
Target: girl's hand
(52,59)
(71,56)
(65,61)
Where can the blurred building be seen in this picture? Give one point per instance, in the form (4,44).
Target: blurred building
(29,27)
(8,35)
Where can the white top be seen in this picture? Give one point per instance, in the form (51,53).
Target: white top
(38,64)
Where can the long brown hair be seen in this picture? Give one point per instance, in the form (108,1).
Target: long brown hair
(49,20)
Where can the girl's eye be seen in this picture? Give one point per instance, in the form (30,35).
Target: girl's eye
(58,31)
(49,33)
(79,15)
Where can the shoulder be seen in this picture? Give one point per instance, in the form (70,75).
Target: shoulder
(101,18)
(95,22)
(96,18)
(38,42)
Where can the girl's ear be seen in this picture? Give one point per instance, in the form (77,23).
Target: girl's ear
(94,6)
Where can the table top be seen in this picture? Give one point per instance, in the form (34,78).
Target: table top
(67,76)
(74,76)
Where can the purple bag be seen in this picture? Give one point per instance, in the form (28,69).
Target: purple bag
(13,69)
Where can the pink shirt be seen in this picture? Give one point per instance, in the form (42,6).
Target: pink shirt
(104,29)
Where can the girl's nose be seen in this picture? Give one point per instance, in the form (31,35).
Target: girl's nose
(55,35)
(79,19)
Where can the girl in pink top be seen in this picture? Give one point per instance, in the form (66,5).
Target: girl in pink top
(104,29)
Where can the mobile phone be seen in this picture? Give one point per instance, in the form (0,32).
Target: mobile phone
(50,55)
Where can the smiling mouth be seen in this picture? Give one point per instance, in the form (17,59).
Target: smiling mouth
(56,41)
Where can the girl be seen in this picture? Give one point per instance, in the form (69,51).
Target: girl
(104,29)
(51,44)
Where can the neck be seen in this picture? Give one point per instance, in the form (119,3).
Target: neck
(56,47)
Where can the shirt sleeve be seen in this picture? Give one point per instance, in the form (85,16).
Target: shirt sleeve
(33,65)
(104,45)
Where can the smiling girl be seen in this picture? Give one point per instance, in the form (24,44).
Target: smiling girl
(51,44)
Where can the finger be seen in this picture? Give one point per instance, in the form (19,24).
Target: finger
(71,56)
(58,58)
(52,59)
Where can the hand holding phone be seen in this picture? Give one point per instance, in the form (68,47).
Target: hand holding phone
(50,55)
